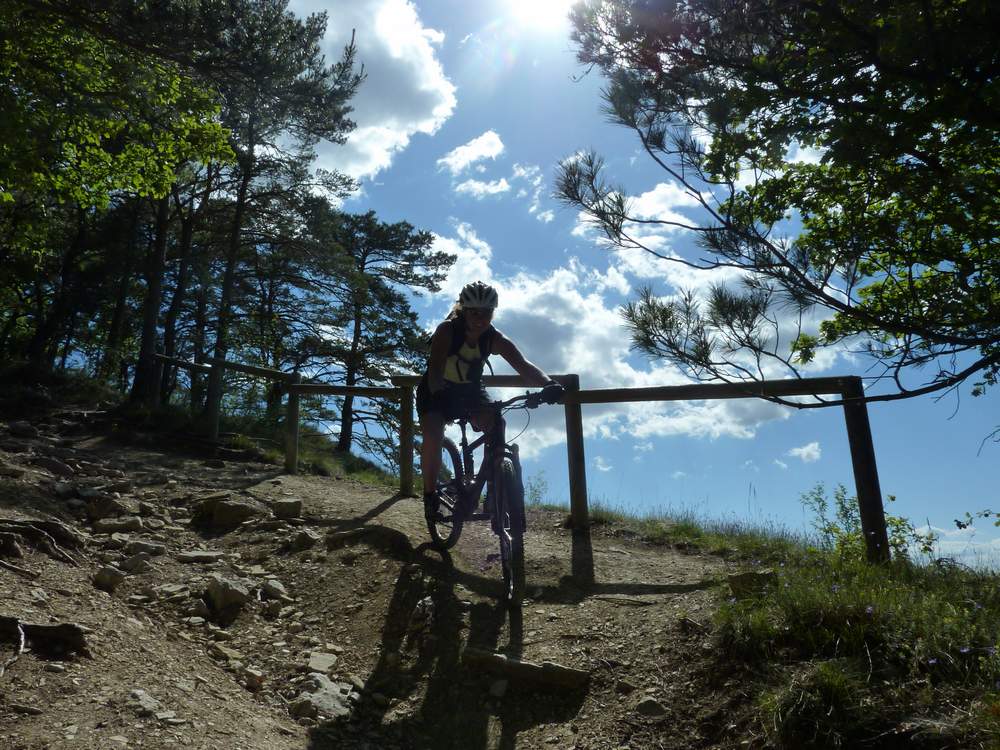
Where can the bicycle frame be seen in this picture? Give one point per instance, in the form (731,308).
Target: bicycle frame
(504,505)
(492,457)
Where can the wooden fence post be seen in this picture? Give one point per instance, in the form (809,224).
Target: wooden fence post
(292,426)
(405,440)
(579,514)
(859,435)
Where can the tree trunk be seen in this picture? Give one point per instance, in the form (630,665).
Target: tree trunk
(351,378)
(68,337)
(198,344)
(111,357)
(214,400)
(145,386)
(188,222)
(40,348)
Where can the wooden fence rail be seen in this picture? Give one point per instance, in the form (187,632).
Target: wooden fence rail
(859,434)
(850,390)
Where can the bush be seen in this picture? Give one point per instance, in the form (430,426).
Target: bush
(842,532)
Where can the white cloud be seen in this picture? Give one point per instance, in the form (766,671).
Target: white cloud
(662,203)
(601,464)
(479,189)
(564,321)
(799,154)
(808,453)
(406,91)
(473,256)
(969,546)
(749,465)
(530,175)
(486,146)
(678,475)
(780,464)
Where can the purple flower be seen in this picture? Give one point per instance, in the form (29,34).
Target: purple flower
(932,661)
(964,650)
(835,588)
(870,610)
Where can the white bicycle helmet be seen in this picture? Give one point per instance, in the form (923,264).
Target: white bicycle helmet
(478,294)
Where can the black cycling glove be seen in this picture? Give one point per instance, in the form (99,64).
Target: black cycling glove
(553,393)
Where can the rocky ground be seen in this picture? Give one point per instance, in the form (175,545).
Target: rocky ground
(168,600)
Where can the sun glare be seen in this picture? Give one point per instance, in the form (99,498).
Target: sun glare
(541,15)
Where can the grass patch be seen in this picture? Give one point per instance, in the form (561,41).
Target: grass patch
(835,652)
(846,652)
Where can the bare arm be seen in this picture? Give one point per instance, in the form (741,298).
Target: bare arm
(440,344)
(527,370)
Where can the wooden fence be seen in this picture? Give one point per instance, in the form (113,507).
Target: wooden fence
(849,389)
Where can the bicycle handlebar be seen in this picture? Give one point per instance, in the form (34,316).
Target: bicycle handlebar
(531,401)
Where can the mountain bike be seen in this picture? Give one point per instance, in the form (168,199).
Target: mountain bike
(459,487)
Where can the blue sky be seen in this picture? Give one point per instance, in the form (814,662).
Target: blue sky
(465,114)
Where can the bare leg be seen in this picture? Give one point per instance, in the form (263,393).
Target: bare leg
(432,432)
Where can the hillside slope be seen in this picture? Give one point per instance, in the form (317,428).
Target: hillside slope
(246,619)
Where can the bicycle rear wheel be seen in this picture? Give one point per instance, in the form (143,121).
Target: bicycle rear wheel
(509,509)
(446,525)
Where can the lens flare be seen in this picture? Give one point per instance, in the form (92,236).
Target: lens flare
(541,15)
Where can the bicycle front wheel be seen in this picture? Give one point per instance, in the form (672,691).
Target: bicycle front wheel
(510,526)
(445,526)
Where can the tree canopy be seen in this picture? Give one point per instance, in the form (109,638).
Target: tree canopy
(157,195)
(846,158)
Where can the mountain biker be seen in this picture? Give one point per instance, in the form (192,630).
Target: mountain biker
(452,384)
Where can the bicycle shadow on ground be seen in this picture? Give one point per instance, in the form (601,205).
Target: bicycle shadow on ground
(343,524)
(580,582)
(419,694)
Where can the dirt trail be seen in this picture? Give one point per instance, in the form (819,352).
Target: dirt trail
(390,616)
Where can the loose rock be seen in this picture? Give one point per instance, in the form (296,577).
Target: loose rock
(226,596)
(649,706)
(323,696)
(305,539)
(150,548)
(321,662)
(287,508)
(111,525)
(143,703)
(54,465)
(22,429)
(275,590)
(108,578)
(199,556)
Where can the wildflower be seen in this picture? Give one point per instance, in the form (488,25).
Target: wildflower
(870,609)
(932,661)
(835,588)
(964,650)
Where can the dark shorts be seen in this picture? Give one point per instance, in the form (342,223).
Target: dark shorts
(455,401)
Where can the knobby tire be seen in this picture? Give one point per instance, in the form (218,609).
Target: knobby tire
(510,530)
(446,527)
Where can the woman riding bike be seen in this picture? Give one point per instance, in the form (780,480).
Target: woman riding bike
(452,384)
